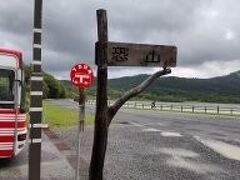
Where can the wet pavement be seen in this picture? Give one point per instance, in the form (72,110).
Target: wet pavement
(145,145)
(54,165)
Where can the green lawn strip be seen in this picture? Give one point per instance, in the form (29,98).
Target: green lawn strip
(55,115)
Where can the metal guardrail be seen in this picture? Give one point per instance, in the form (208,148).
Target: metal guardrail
(206,109)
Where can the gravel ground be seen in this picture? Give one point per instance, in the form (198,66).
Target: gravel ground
(134,154)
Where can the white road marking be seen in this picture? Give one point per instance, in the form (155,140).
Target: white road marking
(163,133)
(227,150)
(179,152)
(151,130)
(171,134)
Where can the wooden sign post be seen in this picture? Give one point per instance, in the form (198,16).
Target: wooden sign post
(120,54)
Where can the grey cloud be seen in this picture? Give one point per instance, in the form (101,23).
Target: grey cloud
(168,15)
(16,16)
(198,39)
(16,26)
(68,31)
(198,28)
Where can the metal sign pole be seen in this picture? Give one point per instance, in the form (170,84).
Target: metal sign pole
(36,97)
(81,75)
(80,127)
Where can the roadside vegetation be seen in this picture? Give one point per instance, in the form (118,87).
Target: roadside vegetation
(52,88)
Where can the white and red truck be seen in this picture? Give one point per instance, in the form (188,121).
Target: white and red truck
(13,130)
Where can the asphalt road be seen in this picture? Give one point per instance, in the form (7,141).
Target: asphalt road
(153,145)
(180,146)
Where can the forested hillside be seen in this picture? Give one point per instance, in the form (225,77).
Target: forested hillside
(220,89)
(224,89)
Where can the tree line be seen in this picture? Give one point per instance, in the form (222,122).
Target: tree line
(52,88)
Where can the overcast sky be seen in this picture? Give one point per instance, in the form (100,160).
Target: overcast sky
(206,32)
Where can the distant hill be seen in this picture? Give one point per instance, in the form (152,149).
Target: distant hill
(223,89)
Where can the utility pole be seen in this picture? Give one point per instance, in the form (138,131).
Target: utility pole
(81,103)
(36,97)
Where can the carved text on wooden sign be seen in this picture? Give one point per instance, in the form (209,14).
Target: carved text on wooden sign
(126,54)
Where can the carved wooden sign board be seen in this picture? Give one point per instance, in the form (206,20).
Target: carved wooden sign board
(127,54)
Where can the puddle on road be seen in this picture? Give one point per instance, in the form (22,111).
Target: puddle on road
(171,134)
(123,123)
(178,158)
(227,150)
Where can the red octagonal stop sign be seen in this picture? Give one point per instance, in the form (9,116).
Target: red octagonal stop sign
(81,75)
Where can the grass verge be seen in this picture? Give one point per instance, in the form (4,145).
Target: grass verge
(56,116)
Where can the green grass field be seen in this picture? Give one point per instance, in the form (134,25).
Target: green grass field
(56,116)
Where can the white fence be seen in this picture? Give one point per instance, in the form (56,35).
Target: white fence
(178,107)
